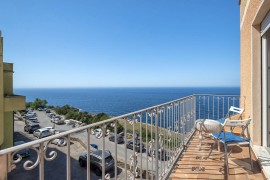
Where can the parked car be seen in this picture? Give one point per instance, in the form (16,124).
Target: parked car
(51,115)
(59,121)
(40,109)
(33,120)
(48,111)
(119,138)
(97,132)
(59,141)
(23,153)
(30,115)
(94,146)
(30,128)
(41,133)
(137,145)
(162,155)
(96,161)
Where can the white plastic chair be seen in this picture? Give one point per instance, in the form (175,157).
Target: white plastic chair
(229,138)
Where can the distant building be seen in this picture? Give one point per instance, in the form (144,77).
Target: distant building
(255,66)
(8,101)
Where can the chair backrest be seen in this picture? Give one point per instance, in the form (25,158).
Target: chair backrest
(238,123)
(235,111)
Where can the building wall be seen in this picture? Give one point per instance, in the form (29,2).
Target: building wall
(8,101)
(252,13)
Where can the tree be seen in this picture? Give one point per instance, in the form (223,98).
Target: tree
(38,103)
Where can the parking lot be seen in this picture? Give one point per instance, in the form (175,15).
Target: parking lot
(57,167)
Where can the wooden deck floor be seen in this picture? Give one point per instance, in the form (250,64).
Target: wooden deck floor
(194,165)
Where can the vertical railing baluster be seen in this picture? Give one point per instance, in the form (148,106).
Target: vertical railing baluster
(68,157)
(156,142)
(223,108)
(146,139)
(164,145)
(199,101)
(103,151)
(228,105)
(134,142)
(115,148)
(204,107)
(218,108)
(141,150)
(208,111)
(167,134)
(184,120)
(176,127)
(213,107)
(41,163)
(125,148)
(152,144)
(88,153)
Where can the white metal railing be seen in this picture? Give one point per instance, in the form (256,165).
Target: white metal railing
(163,129)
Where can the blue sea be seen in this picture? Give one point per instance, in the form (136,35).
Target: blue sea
(117,101)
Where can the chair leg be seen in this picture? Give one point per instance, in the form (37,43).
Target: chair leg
(250,156)
(212,147)
(226,159)
(200,139)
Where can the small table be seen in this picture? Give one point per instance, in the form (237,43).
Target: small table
(207,126)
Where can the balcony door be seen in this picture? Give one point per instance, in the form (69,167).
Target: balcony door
(266,81)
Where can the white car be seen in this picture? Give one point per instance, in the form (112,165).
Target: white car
(41,133)
(96,132)
(59,142)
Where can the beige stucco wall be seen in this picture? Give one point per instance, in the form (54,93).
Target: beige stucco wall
(246,65)
(242,8)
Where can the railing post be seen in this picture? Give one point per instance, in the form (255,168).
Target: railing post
(3,166)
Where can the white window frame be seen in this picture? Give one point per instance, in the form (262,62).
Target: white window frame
(265,25)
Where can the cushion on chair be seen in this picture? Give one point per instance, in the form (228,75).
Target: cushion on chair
(230,137)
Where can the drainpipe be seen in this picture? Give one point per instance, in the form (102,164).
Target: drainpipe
(1,92)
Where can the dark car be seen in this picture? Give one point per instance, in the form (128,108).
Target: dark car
(48,111)
(96,161)
(30,128)
(162,154)
(137,145)
(23,153)
(119,138)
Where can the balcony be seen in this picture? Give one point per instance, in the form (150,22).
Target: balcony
(169,147)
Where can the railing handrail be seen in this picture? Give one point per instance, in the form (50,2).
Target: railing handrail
(217,95)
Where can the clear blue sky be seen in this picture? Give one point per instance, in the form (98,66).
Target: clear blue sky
(122,43)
